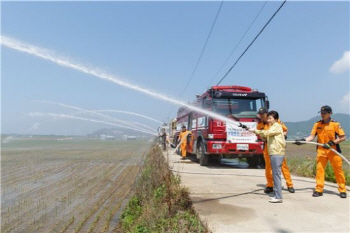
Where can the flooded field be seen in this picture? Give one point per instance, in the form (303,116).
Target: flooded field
(51,185)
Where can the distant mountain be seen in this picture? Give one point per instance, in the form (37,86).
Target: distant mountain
(303,128)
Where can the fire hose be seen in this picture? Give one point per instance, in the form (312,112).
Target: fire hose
(305,142)
(302,142)
(319,144)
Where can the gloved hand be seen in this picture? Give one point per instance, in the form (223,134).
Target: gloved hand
(298,142)
(251,130)
(331,143)
(243,126)
(328,145)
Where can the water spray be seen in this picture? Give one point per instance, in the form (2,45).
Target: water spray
(100,114)
(142,125)
(88,119)
(130,113)
(50,56)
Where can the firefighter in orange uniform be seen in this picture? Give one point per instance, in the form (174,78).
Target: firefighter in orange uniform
(263,125)
(330,134)
(183,137)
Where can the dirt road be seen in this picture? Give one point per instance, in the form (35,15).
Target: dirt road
(229,197)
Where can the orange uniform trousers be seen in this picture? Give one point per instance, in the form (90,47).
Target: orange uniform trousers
(336,161)
(183,149)
(183,141)
(268,171)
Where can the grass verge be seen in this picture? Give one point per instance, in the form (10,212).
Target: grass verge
(159,203)
(306,166)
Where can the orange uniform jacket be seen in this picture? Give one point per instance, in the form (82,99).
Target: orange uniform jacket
(326,132)
(183,135)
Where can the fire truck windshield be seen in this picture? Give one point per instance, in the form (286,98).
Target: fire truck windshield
(239,108)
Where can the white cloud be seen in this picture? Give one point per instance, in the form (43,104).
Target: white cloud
(346,99)
(345,104)
(342,65)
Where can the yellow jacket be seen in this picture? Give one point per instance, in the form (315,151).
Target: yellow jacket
(276,143)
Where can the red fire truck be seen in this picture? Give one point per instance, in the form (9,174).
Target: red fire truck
(214,139)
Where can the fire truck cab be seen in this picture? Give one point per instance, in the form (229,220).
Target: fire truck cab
(214,139)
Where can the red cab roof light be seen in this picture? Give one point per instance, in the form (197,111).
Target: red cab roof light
(238,88)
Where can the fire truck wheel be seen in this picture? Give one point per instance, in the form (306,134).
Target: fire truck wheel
(204,158)
(216,161)
(253,161)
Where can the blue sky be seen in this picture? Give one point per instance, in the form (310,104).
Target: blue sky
(157,44)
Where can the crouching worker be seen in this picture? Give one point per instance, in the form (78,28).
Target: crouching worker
(330,134)
(183,140)
(276,148)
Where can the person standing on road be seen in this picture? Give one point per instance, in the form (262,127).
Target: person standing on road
(264,125)
(276,148)
(330,134)
(163,137)
(183,140)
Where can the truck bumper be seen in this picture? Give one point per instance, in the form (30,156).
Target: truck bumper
(213,147)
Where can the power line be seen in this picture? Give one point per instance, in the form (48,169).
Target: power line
(239,42)
(205,44)
(252,42)
(201,54)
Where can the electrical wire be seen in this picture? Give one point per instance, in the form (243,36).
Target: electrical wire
(203,49)
(239,42)
(251,43)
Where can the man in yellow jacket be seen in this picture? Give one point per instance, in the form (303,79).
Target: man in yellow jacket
(183,140)
(264,125)
(330,134)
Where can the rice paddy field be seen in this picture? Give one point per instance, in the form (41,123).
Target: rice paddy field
(77,185)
